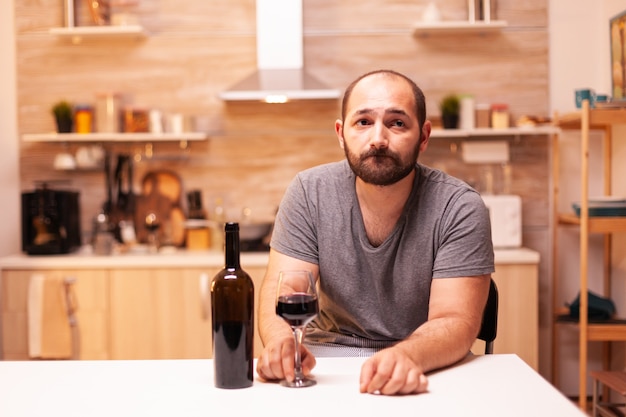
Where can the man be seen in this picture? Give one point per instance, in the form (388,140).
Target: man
(403,252)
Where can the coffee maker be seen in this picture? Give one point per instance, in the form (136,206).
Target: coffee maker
(50,221)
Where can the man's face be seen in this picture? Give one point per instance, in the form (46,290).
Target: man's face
(380,134)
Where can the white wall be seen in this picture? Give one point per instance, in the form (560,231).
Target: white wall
(10,239)
(580,58)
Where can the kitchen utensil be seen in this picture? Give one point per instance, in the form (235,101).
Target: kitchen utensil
(161,194)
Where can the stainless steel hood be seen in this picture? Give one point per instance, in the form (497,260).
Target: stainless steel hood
(280,74)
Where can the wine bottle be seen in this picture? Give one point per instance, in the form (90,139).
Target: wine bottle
(232,308)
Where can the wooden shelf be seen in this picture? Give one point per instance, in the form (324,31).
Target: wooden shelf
(480,132)
(458,27)
(114,137)
(599,332)
(598,118)
(597,224)
(78,33)
(584,121)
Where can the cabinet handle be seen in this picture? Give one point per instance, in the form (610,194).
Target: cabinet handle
(71,305)
(205,296)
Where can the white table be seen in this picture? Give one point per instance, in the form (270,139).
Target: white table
(493,385)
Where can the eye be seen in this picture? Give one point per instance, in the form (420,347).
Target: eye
(398,123)
(362,122)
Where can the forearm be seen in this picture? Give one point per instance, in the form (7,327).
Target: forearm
(439,342)
(270,325)
(455,315)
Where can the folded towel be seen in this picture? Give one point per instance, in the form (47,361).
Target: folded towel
(49,333)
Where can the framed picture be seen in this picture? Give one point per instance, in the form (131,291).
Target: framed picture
(617,26)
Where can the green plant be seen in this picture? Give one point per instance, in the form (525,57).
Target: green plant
(62,110)
(63,116)
(450,104)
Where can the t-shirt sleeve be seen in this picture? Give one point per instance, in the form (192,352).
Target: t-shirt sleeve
(294,227)
(465,246)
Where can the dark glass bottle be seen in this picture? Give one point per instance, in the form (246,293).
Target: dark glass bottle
(232,308)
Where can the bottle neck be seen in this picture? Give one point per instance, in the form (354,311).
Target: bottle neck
(231,249)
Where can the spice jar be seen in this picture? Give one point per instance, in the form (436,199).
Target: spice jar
(499,116)
(83,116)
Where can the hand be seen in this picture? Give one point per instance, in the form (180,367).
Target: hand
(277,360)
(392,372)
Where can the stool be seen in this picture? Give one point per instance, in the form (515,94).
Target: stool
(614,380)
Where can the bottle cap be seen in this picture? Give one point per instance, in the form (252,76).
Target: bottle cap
(231,227)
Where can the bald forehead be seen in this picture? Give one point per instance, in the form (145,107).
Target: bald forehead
(387,84)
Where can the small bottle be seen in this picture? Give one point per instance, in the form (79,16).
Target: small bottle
(217,238)
(232,309)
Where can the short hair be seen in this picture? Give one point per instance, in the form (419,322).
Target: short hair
(418,94)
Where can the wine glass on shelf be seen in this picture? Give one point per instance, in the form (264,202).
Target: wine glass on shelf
(152,224)
(296,303)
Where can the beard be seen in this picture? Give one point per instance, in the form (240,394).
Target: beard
(381,166)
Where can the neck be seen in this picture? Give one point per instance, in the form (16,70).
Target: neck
(385,200)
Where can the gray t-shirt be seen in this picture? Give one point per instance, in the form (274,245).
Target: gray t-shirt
(374,296)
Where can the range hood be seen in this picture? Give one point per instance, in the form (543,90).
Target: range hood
(280,74)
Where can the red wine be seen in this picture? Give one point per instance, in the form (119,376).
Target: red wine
(232,308)
(297,309)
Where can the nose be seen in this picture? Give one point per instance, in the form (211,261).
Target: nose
(379,139)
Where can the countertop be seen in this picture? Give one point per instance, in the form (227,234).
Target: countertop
(188,259)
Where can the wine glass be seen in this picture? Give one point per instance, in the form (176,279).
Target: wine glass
(296,303)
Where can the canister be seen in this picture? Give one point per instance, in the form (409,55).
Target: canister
(467,117)
(108,112)
(482,115)
(499,116)
(83,116)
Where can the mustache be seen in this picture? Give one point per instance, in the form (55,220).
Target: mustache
(378,152)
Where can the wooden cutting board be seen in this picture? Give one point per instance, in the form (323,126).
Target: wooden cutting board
(161,195)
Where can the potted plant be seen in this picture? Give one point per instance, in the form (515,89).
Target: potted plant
(450,106)
(63,116)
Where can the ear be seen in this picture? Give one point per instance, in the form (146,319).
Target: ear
(426,129)
(339,132)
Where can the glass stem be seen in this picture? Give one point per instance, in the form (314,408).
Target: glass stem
(298,333)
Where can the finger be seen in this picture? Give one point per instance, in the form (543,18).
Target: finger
(411,383)
(308,361)
(288,361)
(382,375)
(397,381)
(367,372)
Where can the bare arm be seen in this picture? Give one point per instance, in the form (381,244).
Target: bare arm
(454,318)
(277,358)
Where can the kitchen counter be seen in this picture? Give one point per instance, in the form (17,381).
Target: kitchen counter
(190,259)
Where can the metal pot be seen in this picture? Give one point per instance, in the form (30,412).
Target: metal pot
(254,231)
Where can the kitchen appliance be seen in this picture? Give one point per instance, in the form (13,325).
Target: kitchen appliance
(50,221)
(505,213)
(280,74)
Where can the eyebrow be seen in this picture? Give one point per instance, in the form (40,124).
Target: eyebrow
(387,111)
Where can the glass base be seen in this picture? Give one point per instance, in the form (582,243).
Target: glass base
(298,383)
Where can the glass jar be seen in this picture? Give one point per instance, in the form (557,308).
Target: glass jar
(83,116)
(499,116)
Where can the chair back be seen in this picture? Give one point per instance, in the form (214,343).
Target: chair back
(489,326)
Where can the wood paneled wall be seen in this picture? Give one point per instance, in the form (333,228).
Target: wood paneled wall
(198,48)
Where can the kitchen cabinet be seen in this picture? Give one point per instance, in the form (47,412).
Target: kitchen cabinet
(517,279)
(157,307)
(91,294)
(585,120)
(126,313)
(163,313)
